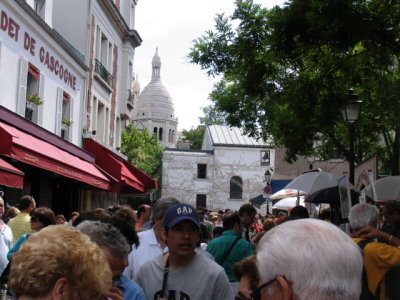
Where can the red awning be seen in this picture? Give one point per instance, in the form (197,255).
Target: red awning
(31,150)
(11,176)
(126,173)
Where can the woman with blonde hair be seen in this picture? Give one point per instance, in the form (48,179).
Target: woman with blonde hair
(60,263)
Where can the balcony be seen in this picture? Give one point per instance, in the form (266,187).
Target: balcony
(102,72)
(129,101)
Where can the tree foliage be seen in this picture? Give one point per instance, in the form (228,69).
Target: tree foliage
(286,72)
(143,150)
(194,136)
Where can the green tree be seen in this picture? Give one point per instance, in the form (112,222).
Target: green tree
(194,136)
(143,150)
(286,71)
(212,116)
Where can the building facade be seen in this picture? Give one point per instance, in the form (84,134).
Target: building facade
(227,172)
(55,96)
(43,84)
(103,30)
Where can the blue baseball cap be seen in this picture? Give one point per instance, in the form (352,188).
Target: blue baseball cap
(180,212)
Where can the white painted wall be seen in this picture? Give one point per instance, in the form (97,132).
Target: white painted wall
(179,175)
(14,45)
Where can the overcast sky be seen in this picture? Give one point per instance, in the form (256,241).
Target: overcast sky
(172,26)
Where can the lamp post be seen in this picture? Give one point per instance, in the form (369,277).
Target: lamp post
(310,161)
(267,188)
(351,113)
(267,177)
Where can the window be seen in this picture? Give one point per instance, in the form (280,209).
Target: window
(236,187)
(265,158)
(66,119)
(201,200)
(201,171)
(155,130)
(160,134)
(30,92)
(171,134)
(39,7)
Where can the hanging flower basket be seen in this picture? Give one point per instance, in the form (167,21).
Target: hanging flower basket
(35,99)
(66,122)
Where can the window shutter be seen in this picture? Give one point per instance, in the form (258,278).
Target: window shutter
(59,107)
(41,95)
(71,117)
(22,83)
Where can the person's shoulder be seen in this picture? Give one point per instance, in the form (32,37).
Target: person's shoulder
(130,283)
(209,264)
(131,288)
(146,234)
(155,261)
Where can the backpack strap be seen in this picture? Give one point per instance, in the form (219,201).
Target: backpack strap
(363,243)
(229,250)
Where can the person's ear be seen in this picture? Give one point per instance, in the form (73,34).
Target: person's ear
(286,289)
(61,290)
(164,234)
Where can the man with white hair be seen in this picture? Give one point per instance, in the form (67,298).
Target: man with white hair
(379,258)
(308,259)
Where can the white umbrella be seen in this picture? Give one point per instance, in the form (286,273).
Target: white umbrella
(311,182)
(284,193)
(288,203)
(387,189)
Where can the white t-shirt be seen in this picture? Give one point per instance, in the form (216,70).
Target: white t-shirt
(6,243)
(148,248)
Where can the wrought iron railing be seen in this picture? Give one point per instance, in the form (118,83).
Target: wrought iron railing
(102,71)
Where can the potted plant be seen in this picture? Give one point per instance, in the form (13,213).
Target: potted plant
(66,122)
(35,99)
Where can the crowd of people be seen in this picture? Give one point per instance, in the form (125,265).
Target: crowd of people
(172,250)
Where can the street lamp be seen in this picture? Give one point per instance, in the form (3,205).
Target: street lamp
(351,113)
(311,161)
(267,189)
(267,176)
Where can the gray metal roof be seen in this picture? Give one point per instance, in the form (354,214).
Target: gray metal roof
(223,135)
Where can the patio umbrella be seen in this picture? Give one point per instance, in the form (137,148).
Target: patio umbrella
(288,203)
(257,201)
(285,193)
(387,189)
(330,196)
(313,181)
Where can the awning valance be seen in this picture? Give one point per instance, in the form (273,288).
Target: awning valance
(11,176)
(31,150)
(129,177)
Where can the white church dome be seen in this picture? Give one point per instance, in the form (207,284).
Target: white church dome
(155,100)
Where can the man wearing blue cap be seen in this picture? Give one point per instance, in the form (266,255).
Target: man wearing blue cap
(182,274)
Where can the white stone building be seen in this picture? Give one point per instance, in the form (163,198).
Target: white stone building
(226,173)
(154,110)
(103,30)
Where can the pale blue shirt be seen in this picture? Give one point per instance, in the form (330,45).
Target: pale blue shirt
(130,289)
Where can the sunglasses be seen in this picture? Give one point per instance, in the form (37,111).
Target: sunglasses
(34,219)
(256,294)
